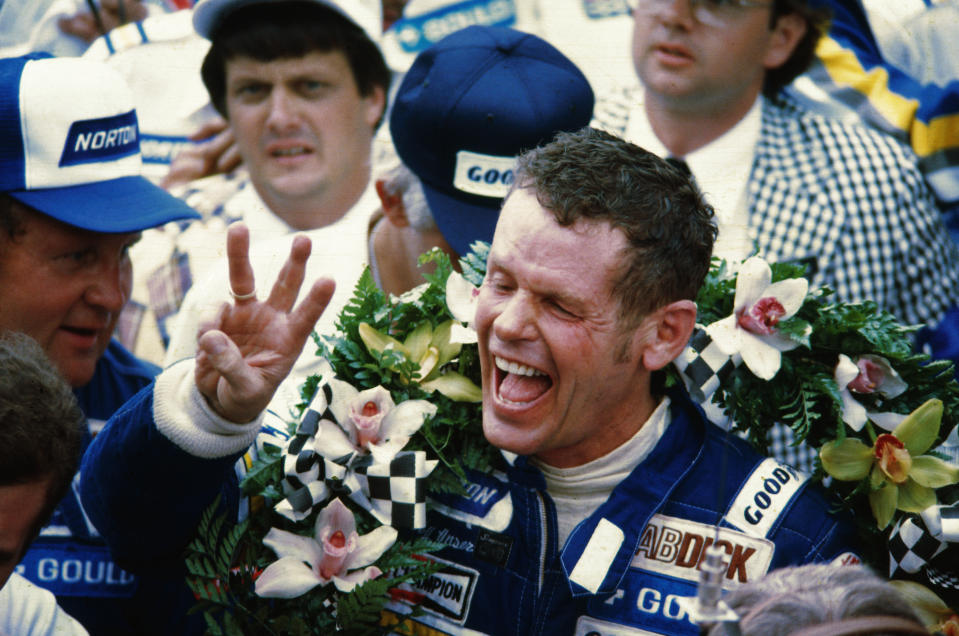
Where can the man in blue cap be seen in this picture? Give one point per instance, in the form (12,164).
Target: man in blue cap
(72,203)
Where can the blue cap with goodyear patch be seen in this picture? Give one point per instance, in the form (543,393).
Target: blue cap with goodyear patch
(468,106)
(70,146)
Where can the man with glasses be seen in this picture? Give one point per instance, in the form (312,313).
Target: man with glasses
(848,202)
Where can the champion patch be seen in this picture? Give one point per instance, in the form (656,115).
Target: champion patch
(446,593)
(485,175)
(677,548)
(764,497)
(104,138)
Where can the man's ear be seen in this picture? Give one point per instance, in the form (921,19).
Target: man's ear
(788,30)
(667,333)
(375,105)
(392,203)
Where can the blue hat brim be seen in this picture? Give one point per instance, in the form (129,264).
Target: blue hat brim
(462,223)
(127,204)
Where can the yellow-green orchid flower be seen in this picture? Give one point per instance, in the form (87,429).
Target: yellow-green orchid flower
(900,476)
(431,349)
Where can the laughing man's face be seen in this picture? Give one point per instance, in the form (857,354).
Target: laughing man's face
(555,381)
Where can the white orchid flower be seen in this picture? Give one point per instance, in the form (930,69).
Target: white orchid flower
(461,299)
(759,306)
(337,554)
(372,424)
(867,374)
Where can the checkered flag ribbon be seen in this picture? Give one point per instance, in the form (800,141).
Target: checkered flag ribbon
(703,368)
(398,490)
(309,477)
(394,492)
(916,540)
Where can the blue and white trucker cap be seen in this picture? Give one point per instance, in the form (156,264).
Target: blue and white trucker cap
(468,106)
(366,14)
(70,146)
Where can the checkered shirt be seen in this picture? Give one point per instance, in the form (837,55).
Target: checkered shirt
(845,197)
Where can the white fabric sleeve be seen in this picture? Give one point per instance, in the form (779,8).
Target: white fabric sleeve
(183,416)
(29,610)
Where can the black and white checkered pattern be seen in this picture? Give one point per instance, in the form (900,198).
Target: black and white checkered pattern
(703,368)
(942,578)
(308,476)
(398,490)
(911,546)
(394,492)
(801,457)
(849,198)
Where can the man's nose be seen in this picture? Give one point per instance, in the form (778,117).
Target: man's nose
(675,11)
(282,110)
(516,320)
(109,287)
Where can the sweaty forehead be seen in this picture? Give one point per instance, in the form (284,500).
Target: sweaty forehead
(523,221)
(529,240)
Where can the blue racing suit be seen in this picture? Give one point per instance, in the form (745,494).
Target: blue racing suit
(623,569)
(70,559)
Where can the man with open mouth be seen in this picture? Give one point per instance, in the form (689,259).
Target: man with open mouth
(612,487)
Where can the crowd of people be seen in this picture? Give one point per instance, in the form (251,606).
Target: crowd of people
(188,192)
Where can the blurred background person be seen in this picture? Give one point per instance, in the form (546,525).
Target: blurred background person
(41,431)
(819,600)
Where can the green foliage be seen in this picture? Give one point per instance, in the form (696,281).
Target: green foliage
(454,434)
(804,394)
(473,265)
(211,575)
(224,559)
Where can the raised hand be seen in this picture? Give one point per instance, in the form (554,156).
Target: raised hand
(249,348)
(215,152)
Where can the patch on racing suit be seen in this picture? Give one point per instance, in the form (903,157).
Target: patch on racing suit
(487,503)
(493,547)
(446,593)
(765,497)
(677,548)
(644,601)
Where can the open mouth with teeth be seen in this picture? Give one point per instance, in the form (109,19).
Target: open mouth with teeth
(518,384)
